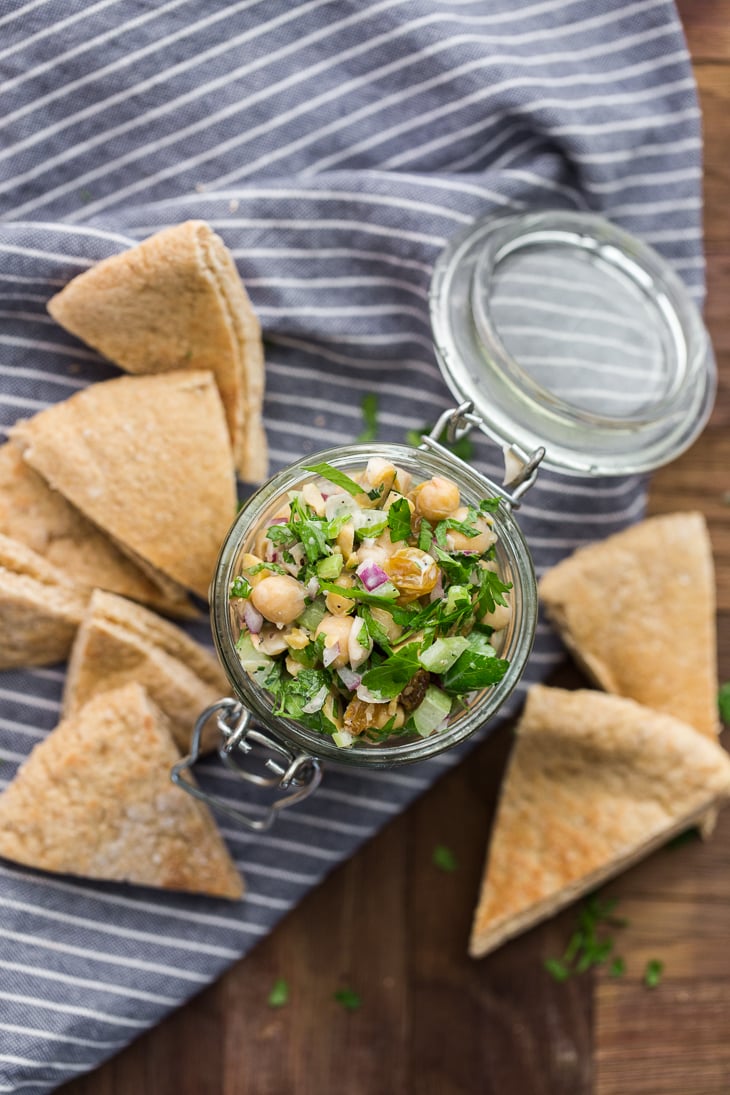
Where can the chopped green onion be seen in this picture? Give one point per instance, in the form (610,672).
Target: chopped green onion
(349,999)
(653,973)
(444,859)
(279,994)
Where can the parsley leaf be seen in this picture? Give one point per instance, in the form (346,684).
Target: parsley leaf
(298,692)
(617,968)
(240,587)
(369,407)
(472,670)
(450,523)
(587,948)
(349,999)
(334,475)
(491,592)
(653,973)
(425,535)
(279,994)
(557,969)
(312,535)
(723,702)
(399,520)
(444,859)
(390,678)
(489,505)
(384,601)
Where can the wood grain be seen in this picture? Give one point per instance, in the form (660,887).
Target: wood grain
(391,926)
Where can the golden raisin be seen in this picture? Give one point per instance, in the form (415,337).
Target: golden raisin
(413,571)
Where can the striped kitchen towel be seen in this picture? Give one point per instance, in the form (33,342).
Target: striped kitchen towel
(335,145)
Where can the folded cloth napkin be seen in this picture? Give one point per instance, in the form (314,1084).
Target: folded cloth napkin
(335,146)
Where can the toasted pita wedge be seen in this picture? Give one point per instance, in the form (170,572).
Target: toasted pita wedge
(44,521)
(595,783)
(176,301)
(119,642)
(148,460)
(39,610)
(637,610)
(95,799)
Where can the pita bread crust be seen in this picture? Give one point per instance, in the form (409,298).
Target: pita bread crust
(176,301)
(595,782)
(120,642)
(39,610)
(637,611)
(148,460)
(95,799)
(44,521)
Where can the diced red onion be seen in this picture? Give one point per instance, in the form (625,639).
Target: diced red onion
(252,617)
(371,575)
(317,702)
(329,654)
(312,588)
(349,679)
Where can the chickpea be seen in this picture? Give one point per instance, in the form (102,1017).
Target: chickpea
(499,618)
(336,629)
(386,621)
(248,562)
(312,495)
(279,598)
(378,473)
(436,499)
(458,541)
(346,540)
(336,603)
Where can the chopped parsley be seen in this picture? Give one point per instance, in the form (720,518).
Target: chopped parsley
(391,677)
(399,520)
(653,973)
(334,475)
(588,946)
(279,995)
(240,587)
(444,859)
(617,968)
(349,1000)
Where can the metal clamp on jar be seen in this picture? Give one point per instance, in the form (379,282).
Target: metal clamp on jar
(568,343)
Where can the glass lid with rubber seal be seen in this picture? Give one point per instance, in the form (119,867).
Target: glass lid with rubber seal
(565,331)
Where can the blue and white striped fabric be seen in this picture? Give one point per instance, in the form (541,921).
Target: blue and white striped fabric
(335,145)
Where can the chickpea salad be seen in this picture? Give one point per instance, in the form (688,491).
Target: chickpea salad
(371,608)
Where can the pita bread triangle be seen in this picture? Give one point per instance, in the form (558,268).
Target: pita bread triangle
(95,799)
(594,783)
(42,519)
(176,301)
(147,459)
(637,611)
(120,642)
(39,611)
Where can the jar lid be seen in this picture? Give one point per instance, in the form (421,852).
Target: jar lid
(565,331)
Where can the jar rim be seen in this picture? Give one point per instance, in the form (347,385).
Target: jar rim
(518,644)
(478,365)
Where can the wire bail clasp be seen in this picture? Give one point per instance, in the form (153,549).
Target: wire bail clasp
(520,467)
(298,773)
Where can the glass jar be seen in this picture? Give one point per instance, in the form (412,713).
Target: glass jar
(523,309)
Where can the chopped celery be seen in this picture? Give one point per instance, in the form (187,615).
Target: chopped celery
(331,566)
(343,739)
(251,657)
(313,614)
(432,711)
(442,654)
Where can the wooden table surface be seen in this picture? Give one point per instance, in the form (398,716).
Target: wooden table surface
(393,927)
